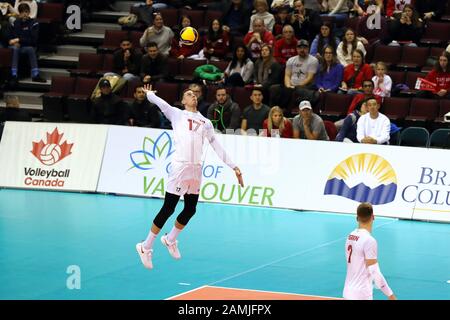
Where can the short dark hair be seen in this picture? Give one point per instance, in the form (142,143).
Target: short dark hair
(125,39)
(364,212)
(222,87)
(369,80)
(257,89)
(23,7)
(152,44)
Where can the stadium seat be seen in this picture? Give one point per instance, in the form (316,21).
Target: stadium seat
(174,66)
(107,66)
(411,79)
(50,12)
(5,57)
(210,15)
(78,103)
(241,96)
(388,54)
(436,33)
(414,137)
(336,105)
(331,129)
(88,64)
(397,77)
(423,110)
(168,91)
(54,101)
(440,138)
(444,108)
(211,93)
(187,68)
(112,40)
(170,16)
(395,108)
(222,65)
(135,36)
(413,58)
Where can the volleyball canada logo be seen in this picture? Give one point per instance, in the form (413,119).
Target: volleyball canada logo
(53,150)
(363,177)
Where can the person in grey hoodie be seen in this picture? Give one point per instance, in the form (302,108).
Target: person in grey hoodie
(158,33)
(224,113)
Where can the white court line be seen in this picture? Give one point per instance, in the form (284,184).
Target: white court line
(288,257)
(185,292)
(277,292)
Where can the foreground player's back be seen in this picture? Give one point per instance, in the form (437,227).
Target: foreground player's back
(360,245)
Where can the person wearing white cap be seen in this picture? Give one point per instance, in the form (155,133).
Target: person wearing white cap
(308,125)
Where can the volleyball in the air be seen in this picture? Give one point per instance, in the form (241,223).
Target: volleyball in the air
(189,36)
(50,154)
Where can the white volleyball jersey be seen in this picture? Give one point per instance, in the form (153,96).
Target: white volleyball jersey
(360,245)
(189,131)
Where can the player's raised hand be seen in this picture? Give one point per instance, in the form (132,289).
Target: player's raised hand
(148,88)
(238,173)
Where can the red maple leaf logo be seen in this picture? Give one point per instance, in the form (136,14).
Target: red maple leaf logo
(53,151)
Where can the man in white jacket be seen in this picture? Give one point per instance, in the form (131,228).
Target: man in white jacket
(373,127)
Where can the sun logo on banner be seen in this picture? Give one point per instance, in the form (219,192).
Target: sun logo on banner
(153,153)
(363,177)
(52,151)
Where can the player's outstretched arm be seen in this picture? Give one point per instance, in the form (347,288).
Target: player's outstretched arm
(166,108)
(238,173)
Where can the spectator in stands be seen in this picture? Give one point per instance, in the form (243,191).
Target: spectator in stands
(23,38)
(330,6)
(202,104)
(158,33)
(126,62)
(13,112)
(325,37)
(239,71)
(143,113)
(216,42)
(154,66)
(368,93)
(145,12)
(355,74)
(276,125)
(4,25)
(382,81)
(395,7)
(373,127)
(254,115)
(282,19)
(108,108)
(298,77)
(32,5)
(180,49)
(267,71)
(236,19)
(330,72)
(368,7)
(306,22)
(430,9)
(406,29)
(262,12)
(286,47)
(278,4)
(347,45)
(308,125)
(224,113)
(440,75)
(256,38)
(348,131)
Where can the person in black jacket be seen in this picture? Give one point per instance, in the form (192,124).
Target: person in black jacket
(142,112)
(306,22)
(23,38)
(236,17)
(430,9)
(154,66)
(108,108)
(407,28)
(126,62)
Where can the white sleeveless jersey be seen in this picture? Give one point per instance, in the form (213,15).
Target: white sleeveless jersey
(189,131)
(360,245)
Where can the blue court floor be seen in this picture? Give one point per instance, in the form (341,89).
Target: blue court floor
(43,234)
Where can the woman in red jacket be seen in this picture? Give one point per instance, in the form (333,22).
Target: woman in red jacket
(355,74)
(217,42)
(276,125)
(440,75)
(179,49)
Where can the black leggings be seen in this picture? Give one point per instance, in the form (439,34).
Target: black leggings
(170,202)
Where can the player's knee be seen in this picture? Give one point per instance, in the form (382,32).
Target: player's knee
(186,215)
(163,215)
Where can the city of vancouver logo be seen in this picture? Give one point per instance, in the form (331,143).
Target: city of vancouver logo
(52,151)
(363,177)
(153,153)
